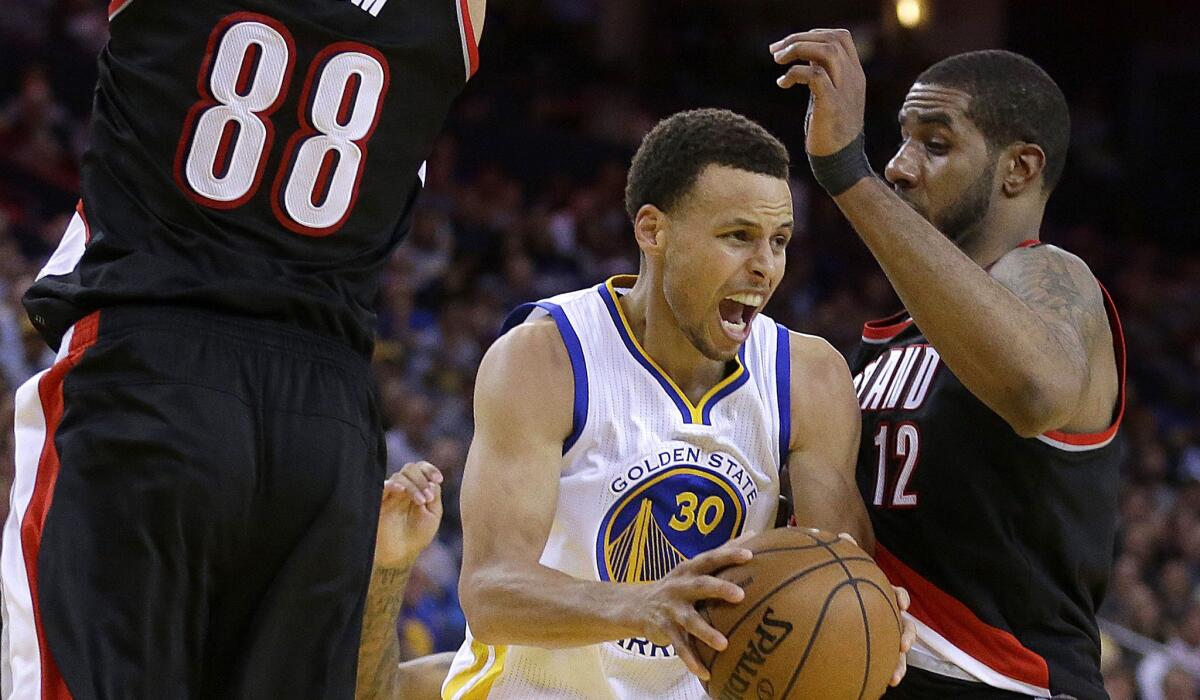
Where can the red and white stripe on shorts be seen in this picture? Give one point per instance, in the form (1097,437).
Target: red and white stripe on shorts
(29,671)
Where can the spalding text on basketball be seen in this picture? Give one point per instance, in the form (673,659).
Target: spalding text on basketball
(769,634)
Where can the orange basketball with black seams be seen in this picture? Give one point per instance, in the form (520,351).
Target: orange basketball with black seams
(819,620)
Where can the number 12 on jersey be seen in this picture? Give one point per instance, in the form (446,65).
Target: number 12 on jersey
(228,133)
(899,444)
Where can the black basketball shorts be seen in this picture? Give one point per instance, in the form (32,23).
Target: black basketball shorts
(193,512)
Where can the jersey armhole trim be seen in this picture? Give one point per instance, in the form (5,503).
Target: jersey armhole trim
(1081,442)
(882,330)
(466,33)
(579,411)
(115,7)
(783,389)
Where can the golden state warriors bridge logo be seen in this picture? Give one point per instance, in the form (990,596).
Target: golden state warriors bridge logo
(671,506)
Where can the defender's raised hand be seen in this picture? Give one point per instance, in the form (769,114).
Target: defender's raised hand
(833,73)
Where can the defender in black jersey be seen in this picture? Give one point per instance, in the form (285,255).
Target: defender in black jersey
(198,474)
(989,454)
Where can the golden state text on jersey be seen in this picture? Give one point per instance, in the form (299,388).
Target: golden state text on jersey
(671,505)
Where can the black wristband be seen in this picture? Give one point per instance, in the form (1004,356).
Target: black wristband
(840,171)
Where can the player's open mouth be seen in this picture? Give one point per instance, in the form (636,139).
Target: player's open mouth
(737,311)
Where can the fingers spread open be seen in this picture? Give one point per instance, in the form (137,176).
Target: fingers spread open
(728,554)
(713,588)
(683,648)
(698,627)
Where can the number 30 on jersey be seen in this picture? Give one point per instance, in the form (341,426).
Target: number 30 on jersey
(228,133)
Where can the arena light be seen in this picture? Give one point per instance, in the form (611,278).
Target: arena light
(910,13)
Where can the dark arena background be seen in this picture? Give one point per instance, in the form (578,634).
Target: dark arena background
(524,200)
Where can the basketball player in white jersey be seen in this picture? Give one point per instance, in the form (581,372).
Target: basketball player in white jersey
(626,433)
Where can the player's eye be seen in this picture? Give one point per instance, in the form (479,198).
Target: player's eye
(937,148)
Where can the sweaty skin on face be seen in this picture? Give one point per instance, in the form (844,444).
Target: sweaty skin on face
(943,168)
(727,237)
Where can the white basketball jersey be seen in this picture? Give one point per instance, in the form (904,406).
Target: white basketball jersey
(648,480)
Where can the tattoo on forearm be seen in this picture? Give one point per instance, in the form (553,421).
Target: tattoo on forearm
(379,648)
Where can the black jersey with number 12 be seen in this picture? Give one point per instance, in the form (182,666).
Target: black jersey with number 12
(259,158)
(1005,543)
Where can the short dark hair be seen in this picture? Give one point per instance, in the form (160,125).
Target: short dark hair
(1012,99)
(678,148)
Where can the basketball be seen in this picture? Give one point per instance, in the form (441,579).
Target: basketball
(819,620)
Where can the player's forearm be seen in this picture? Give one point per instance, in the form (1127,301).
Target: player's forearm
(996,345)
(831,504)
(379,648)
(543,607)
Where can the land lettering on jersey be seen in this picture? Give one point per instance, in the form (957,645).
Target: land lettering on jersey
(691,456)
(371,6)
(900,373)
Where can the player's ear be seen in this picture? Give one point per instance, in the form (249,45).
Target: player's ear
(648,226)
(1024,164)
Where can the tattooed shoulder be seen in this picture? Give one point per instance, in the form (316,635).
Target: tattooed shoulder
(1056,284)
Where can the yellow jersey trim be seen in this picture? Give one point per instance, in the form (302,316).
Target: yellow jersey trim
(475,681)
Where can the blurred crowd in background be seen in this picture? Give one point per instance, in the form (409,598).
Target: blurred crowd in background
(524,200)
